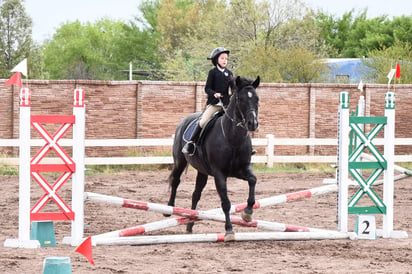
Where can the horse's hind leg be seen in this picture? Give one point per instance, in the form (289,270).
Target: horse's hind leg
(174,180)
(201,181)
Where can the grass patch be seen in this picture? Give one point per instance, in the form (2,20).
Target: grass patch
(9,170)
(257,168)
(295,167)
(405,165)
(114,169)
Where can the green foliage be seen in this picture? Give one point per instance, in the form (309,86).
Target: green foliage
(83,51)
(15,35)
(98,51)
(173,38)
(382,61)
(188,31)
(355,36)
(276,65)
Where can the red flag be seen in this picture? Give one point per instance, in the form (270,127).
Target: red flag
(14,80)
(85,249)
(398,71)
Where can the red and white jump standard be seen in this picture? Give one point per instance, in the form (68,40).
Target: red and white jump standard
(32,168)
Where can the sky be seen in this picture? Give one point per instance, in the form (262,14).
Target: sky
(48,15)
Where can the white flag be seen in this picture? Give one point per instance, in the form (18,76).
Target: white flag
(360,86)
(21,67)
(390,75)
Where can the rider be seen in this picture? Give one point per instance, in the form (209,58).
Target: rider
(218,94)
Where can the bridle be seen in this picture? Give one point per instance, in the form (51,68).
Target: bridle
(243,122)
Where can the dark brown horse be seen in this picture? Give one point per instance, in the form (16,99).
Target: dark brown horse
(224,152)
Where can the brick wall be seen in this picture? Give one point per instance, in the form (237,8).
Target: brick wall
(152,109)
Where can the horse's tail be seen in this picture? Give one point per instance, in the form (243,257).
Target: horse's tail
(180,163)
(169,182)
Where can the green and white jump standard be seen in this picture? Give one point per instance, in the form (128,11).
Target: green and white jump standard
(349,162)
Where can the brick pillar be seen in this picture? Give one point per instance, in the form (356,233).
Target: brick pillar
(312,117)
(199,95)
(139,110)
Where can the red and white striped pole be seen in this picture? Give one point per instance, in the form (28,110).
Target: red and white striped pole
(285,198)
(167,223)
(193,215)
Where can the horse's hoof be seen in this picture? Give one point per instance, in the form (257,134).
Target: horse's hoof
(246,217)
(230,237)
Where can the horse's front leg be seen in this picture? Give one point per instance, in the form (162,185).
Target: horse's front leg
(248,211)
(201,181)
(221,187)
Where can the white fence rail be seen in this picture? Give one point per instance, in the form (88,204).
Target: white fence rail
(270,143)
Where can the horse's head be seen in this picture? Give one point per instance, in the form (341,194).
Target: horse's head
(246,102)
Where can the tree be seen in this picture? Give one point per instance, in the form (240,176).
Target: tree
(101,50)
(283,32)
(79,51)
(15,35)
(401,28)
(353,36)
(365,35)
(188,31)
(382,61)
(139,47)
(276,65)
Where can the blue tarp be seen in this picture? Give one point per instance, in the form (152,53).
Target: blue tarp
(353,70)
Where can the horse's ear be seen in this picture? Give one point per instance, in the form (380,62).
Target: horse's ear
(238,81)
(256,83)
(232,84)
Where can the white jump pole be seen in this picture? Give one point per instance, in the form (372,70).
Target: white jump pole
(24,176)
(343,161)
(79,129)
(220,237)
(388,175)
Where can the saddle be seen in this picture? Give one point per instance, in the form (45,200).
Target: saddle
(191,127)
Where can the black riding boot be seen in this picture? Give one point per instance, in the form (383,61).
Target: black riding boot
(190,146)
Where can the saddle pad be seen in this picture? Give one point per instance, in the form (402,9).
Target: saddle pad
(189,130)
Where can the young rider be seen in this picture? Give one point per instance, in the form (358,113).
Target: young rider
(217,90)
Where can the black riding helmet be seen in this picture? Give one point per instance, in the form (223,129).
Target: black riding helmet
(214,55)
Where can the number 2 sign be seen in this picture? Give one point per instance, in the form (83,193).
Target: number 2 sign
(365,227)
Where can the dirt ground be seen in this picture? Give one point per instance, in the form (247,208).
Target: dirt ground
(326,256)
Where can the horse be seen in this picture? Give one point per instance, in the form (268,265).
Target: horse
(225,151)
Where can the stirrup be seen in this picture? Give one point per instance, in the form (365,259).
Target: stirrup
(189,148)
